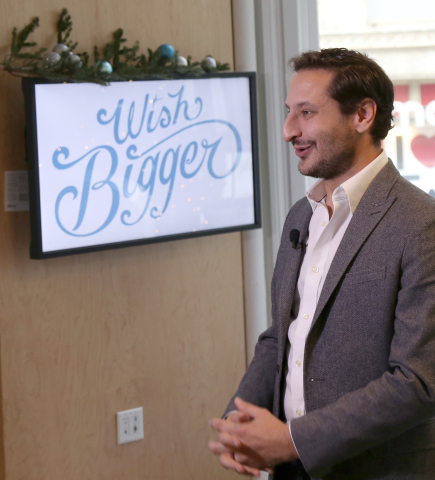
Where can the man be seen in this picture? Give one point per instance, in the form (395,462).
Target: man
(348,365)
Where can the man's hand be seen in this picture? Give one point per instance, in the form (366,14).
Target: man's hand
(257,444)
(226,455)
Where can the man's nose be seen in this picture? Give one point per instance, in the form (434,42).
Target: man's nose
(290,129)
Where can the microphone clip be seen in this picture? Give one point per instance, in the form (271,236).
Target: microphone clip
(294,239)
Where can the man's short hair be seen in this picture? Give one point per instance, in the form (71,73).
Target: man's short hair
(356,77)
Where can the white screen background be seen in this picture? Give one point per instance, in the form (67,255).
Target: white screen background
(67,119)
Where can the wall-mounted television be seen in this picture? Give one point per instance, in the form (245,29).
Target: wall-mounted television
(139,162)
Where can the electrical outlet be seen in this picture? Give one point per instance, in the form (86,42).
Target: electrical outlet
(130,425)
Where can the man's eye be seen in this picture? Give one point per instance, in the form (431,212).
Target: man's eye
(306,112)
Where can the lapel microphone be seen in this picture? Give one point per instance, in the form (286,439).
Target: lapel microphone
(294,239)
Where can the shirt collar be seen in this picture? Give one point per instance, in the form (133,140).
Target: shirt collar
(354,187)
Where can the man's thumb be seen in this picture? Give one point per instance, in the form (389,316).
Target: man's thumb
(246,407)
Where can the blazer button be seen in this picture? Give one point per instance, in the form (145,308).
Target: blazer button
(277,368)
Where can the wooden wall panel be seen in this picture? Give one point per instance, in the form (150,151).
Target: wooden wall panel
(82,337)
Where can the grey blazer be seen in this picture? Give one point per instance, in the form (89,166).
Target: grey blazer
(369,366)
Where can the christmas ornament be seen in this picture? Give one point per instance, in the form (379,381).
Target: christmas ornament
(73,62)
(104,67)
(52,60)
(120,62)
(60,48)
(166,51)
(181,61)
(208,64)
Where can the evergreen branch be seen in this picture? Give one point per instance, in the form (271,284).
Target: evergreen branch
(64,26)
(107,52)
(142,61)
(84,58)
(220,67)
(27,30)
(25,55)
(19,38)
(117,40)
(130,54)
(96,54)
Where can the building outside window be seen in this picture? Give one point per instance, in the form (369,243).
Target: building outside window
(400,36)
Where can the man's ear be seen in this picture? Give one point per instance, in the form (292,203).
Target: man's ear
(365,115)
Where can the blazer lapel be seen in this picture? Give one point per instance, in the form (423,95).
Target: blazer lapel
(291,271)
(370,211)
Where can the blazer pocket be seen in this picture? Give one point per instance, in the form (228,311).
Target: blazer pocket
(365,276)
(418,438)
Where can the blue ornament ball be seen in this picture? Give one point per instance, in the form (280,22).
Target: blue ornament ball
(208,64)
(104,67)
(166,51)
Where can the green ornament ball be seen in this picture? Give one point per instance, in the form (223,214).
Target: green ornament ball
(181,61)
(104,67)
(166,51)
(60,48)
(208,64)
(52,60)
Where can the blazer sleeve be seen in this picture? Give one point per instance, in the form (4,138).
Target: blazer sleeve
(403,397)
(257,385)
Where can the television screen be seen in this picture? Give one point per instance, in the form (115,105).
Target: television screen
(140,161)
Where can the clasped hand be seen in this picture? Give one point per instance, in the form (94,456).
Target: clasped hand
(252,439)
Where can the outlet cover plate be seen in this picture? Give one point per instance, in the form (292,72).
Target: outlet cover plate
(130,425)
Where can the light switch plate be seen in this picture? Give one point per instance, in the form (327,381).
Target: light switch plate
(130,425)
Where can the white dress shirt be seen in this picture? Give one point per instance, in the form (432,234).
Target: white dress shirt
(324,237)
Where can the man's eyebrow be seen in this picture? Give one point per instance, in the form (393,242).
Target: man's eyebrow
(306,104)
(302,104)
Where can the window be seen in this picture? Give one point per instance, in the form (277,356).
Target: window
(400,36)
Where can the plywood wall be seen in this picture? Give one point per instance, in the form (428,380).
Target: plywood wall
(83,337)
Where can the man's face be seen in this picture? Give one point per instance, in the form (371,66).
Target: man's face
(323,138)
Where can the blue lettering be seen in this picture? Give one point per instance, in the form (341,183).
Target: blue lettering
(169,179)
(186,160)
(143,187)
(87,187)
(161,121)
(131,115)
(117,117)
(185,105)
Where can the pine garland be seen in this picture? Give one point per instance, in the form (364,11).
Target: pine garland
(127,62)
(29,61)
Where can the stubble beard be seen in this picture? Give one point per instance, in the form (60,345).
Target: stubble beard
(337,157)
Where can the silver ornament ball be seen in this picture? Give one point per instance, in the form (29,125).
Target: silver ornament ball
(208,63)
(181,61)
(74,62)
(52,60)
(60,48)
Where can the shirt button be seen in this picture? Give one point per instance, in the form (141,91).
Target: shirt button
(306,316)
(315,269)
(298,413)
(298,363)
(323,224)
